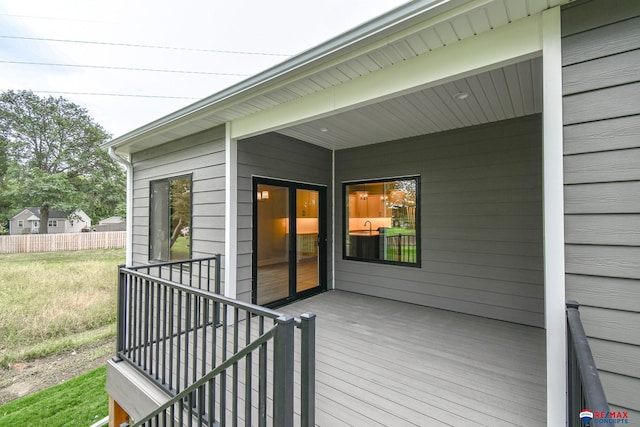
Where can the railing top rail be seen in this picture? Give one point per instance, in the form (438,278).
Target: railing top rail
(594,393)
(251,308)
(171,263)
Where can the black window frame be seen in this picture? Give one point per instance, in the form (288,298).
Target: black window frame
(151,245)
(418,232)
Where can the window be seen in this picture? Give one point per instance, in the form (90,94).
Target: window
(53,223)
(20,223)
(381,221)
(170,219)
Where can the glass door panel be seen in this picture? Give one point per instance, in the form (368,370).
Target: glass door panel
(273,231)
(289,246)
(307,222)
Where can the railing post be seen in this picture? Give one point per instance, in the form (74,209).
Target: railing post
(593,391)
(122,301)
(308,369)
(283,371)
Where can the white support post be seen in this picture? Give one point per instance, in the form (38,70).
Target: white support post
(230,213)
(553,196)
(334,189)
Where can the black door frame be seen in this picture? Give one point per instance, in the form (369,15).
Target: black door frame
(322,239)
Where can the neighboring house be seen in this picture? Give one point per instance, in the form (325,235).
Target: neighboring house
(500,138)
(113,223)
(27,221)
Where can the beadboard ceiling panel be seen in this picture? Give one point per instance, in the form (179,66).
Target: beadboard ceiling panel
(504,93)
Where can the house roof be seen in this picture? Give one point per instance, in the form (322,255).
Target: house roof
(413,30)
(53,213)
(112,220)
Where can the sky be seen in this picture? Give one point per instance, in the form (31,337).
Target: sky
(129,62)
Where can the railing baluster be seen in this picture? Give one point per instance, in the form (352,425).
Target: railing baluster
(187,331)
(214,355)
(139,321)
(203,356)
(163,322)
(157,330)
(223,374)
(262,379)
(235,368)
(179,341)
(146,326)
(248,374)
(171,335)
(194,347)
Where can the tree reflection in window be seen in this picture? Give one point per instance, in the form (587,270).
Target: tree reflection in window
(381,221)
(170,219)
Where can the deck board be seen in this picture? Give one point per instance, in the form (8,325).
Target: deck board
(388,363)
(391,363)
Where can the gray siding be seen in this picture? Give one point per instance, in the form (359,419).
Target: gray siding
(601,86)
(279,157)
(202,155)
(481,220)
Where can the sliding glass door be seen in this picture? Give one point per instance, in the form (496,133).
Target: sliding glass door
(289,240)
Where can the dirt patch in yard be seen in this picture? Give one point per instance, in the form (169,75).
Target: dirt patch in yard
(24,378)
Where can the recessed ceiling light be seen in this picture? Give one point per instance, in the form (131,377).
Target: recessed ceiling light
(460,96)
(324,130)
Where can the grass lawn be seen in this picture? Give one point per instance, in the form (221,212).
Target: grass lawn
(56,301)
(180,249)
(77,402)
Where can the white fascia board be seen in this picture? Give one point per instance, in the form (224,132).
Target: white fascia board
(505,45)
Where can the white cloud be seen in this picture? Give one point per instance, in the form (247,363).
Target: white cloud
(276,26)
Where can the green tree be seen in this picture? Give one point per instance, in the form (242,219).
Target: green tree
(53,145)
(180,207)
(5,204)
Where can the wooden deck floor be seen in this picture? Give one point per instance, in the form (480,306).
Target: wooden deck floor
(385,363)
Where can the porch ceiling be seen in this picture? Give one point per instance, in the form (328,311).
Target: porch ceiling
(511,91)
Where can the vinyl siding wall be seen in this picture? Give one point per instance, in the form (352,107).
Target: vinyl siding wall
(601,85)
(279,157)
(481,219)
(26,225)
(201,155)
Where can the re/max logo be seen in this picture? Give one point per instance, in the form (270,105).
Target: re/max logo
(619,414)
(602,417)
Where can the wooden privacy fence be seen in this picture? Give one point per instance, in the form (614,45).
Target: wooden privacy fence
(62,242)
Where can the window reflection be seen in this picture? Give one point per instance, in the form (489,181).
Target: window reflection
(380,221)
(170,219)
